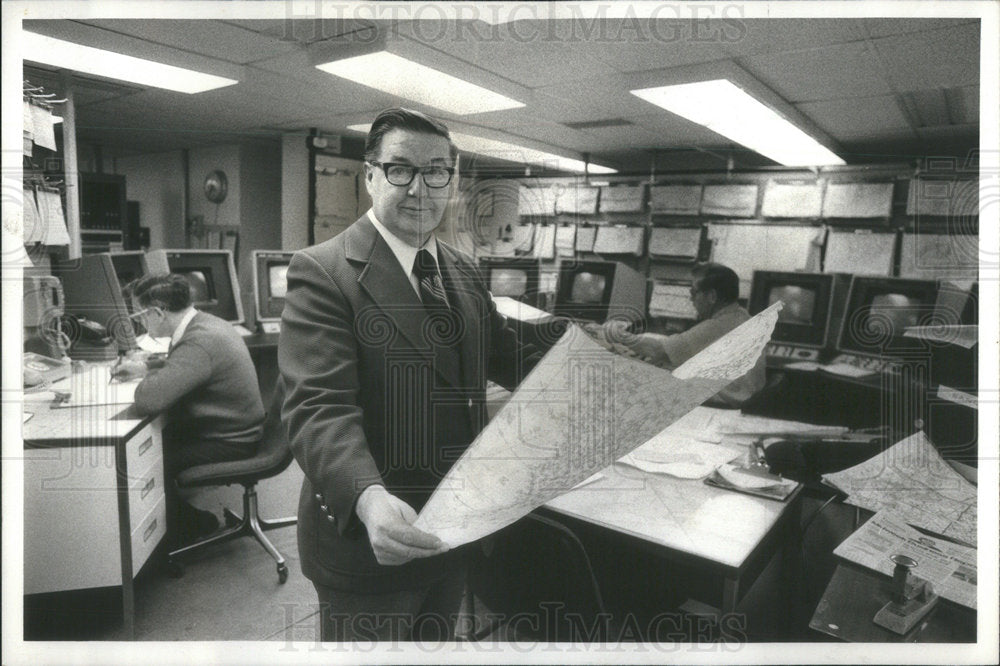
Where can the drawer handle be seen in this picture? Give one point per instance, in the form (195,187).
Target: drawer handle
(149,530)
(145,446)
(148,487)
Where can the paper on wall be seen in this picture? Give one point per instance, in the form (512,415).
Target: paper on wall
(579,410)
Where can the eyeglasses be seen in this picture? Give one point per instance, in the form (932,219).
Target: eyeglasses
(401,175)
(142,315)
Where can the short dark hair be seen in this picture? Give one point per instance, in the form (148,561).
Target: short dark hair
(722,279)
(168,291)
(407,119)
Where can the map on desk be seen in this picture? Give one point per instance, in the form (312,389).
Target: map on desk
(912,480)
(579,410)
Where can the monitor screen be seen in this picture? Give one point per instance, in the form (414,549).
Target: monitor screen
(212,276)
(129,266)
(588,288)
(808,304)
(277,277)
(512,282)
(270,282)
(512,277)
(879,310)
(799,303)
(202,285)
(91,291)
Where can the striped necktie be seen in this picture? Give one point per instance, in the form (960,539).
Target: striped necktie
(431,288)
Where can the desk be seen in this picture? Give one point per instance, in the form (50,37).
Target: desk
(853,597)
(720,532)
(94,503)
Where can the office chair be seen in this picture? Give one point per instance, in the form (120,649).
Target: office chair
(273,457)
(535,581)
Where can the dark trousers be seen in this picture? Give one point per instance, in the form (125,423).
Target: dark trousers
(427,614)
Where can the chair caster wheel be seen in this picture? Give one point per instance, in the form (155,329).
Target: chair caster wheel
(175,569)
(282,573)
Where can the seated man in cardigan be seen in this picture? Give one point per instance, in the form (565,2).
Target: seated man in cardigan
(206,387)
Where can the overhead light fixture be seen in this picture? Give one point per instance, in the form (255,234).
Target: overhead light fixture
(725,108)
(401,77)
(88,60)
(513,153)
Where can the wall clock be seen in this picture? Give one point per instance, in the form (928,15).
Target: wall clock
(216,186)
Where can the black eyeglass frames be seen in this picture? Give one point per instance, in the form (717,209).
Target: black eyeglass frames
(401,175)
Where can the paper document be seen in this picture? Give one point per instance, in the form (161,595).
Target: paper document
(580,409)
(912,480)
(963,336)
(679,456)
(93,386)
(949,567)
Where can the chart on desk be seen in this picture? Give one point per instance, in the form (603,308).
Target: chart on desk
(912,480)
(93,386)
(580,409)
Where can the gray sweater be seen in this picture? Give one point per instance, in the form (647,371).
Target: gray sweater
(207,386)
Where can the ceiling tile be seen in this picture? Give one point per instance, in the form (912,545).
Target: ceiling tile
(883,27)
(943,58)
(808,75)
(216,39)
(756,36)
(857,118)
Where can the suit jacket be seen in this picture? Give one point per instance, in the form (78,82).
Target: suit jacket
(380,390)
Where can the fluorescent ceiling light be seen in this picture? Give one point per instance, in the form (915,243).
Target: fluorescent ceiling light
(727,109)
(513,153)
(410,80)
(88,60)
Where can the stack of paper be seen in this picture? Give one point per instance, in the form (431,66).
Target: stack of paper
(859,253)
(673,242)
(675,199)
(545,242)
(622,198)
(914,482)
(731,200)
(581,200)
(585,239)
(536,201)
(951,568)
(619,240)
(566,240)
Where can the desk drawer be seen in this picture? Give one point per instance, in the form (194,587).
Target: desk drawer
(144,492)
(149,533)
(143,449)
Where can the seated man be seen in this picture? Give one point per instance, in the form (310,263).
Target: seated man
(714,292)
(206,386)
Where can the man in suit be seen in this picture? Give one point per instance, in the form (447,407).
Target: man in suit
(714,292)
(387,338)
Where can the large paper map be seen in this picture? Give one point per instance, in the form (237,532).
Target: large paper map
(580,409)
(912,480)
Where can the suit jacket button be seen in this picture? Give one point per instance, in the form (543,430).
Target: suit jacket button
(331,518)
(319,498)
(325,508)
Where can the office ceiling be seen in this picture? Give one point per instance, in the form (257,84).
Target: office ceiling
(883,90)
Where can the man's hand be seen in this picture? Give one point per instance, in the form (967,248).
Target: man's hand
(389,521)
(614,334)
(128,370)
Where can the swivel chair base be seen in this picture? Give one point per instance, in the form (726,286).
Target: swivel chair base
(249,524)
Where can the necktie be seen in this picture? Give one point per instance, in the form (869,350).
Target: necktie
(431,289)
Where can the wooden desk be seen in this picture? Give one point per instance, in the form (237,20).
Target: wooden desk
(720,532)
(94,503)
(853,597)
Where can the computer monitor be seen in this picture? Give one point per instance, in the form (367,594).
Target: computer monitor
(129,266)
(513,277)
(91,291)
(813,307)
(599,290)
(212,275)
(270,282)
(878,312)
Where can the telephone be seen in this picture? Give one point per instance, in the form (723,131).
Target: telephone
(39,369)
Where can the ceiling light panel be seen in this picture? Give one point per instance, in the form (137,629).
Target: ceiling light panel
(88,60)
(410,80)
(727,109)
(510,152)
